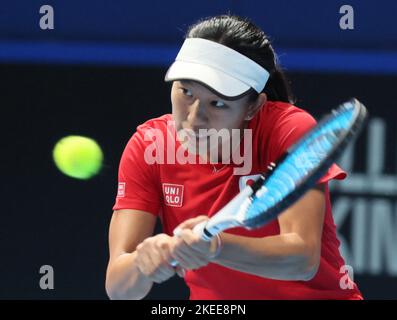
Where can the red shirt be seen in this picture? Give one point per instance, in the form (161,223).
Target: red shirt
(176,192)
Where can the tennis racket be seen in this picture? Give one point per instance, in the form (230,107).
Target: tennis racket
(298,170)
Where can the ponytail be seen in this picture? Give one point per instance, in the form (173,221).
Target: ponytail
(244,37)
(277,88)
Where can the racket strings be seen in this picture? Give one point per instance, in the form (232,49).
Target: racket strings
(303,159)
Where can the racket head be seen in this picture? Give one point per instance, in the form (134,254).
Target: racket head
(304,164)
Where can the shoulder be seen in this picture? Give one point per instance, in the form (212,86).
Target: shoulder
(281,124)
(279,113)
(147,132)
(156,123)
(152,127)
(278,118)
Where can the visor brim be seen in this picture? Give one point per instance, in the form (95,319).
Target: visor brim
(220,82)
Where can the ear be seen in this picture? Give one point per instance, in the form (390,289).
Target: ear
(256,106)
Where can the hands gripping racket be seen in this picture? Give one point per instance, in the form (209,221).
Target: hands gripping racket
(298,170)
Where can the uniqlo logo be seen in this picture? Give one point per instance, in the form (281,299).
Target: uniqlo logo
(173,194)
(121,190)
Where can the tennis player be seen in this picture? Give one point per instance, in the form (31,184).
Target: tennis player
(226,78)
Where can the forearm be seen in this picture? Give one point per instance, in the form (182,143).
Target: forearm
(125,281)
(281,257)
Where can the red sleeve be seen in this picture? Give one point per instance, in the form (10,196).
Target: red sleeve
(291,128)
(137,180)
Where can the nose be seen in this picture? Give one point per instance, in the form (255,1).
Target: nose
(197,117)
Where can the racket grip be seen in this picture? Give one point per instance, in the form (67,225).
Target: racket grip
(199,230)
(174,263)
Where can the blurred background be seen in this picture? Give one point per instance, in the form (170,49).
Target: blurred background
(98,71)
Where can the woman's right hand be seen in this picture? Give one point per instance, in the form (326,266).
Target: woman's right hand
(154,257)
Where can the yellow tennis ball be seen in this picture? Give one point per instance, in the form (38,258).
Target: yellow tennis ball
(78,157)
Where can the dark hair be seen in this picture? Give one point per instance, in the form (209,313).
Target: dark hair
(246,38)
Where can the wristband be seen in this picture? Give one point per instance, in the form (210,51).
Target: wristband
(219,246)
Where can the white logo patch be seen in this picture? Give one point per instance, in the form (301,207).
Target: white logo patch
(121,190)
(173,194)
(247,180)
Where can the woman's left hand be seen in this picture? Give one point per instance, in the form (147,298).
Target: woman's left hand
(193,252)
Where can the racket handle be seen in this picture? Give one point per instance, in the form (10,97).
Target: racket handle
(199,230)
(174,263)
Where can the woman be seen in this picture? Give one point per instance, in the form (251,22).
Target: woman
(225,79)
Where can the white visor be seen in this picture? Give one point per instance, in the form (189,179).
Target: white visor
(221,68)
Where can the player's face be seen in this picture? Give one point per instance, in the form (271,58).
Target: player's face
(195,107)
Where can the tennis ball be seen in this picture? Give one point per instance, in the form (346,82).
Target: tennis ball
(78,157)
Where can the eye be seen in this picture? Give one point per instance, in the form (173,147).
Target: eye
(187,92)
(218,104)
